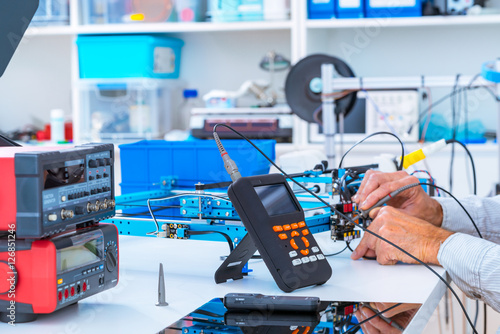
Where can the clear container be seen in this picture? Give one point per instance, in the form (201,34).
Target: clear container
(125,11)
(127,109)
(190,10)
(223,11)
(51,12)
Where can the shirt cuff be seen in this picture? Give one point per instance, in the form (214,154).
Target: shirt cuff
(454,217)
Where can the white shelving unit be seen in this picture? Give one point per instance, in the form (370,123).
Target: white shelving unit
(216,44)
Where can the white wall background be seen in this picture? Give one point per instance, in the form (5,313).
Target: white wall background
(37,80)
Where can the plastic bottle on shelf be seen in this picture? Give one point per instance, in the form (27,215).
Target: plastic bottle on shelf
(275,10)
(191,100)
(57,126)
(189,10)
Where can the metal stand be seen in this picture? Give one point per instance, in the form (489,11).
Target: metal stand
(232,267)
(329,119)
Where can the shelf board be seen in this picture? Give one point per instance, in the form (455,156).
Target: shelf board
(175,27)
(426,21)
(50,30)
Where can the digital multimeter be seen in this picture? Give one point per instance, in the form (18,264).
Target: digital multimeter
(275,222)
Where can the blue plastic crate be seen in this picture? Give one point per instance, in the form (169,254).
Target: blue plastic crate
(144,163)
(320,9)
(349,9)
(129,56)
(393,8)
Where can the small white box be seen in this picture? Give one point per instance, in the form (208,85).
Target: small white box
(119,110)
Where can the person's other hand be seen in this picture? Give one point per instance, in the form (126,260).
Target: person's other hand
(414,201)
(418,237)
(403,314)
(404,307)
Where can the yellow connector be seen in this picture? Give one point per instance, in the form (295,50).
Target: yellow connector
(421,154)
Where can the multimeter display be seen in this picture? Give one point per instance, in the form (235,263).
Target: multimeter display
(276,199)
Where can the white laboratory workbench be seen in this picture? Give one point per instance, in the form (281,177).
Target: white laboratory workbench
(189,267)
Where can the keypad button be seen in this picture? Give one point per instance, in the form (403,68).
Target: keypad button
(313,258)
(293,254)
(277,228)
(304,252)
(305,232)
(295,234)
(294,244)
(315,249)
(287,227)
(305,260)
(282,236)
(320,257)
(306,242)
(294,226)
(296,262)
(302,224)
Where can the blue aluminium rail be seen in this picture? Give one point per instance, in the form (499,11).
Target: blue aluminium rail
(136,219)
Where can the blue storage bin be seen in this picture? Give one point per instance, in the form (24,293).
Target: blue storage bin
(349,9)
(320,9)
(129,56)
(393,8)
(144,163)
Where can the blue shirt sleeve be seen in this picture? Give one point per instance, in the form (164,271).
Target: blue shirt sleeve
(474,266)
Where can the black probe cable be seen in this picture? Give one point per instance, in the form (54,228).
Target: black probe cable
(450,141)
(475,192)
(376,134)
(352,221)
(356,327)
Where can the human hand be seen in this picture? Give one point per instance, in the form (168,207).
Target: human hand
(394,324)
(414,201)
(414,235)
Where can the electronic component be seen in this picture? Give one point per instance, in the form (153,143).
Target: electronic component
(49,274)
(340,310)
(259,123)
(49,190)
(253,301)
(341,228)
(274,220)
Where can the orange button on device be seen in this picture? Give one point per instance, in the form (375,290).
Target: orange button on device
(304,252)
(305,232)
(294,244)
(306,242)
(302,224)
(295,234)
(307,330)
(282,236)
(277,228)
(296,331)
(287,227)
(295,226)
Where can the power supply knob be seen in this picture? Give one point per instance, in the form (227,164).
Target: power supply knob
(8,277)
(111,258)
(93,163)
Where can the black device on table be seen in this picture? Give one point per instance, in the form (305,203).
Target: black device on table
(276,228)
(256,301)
